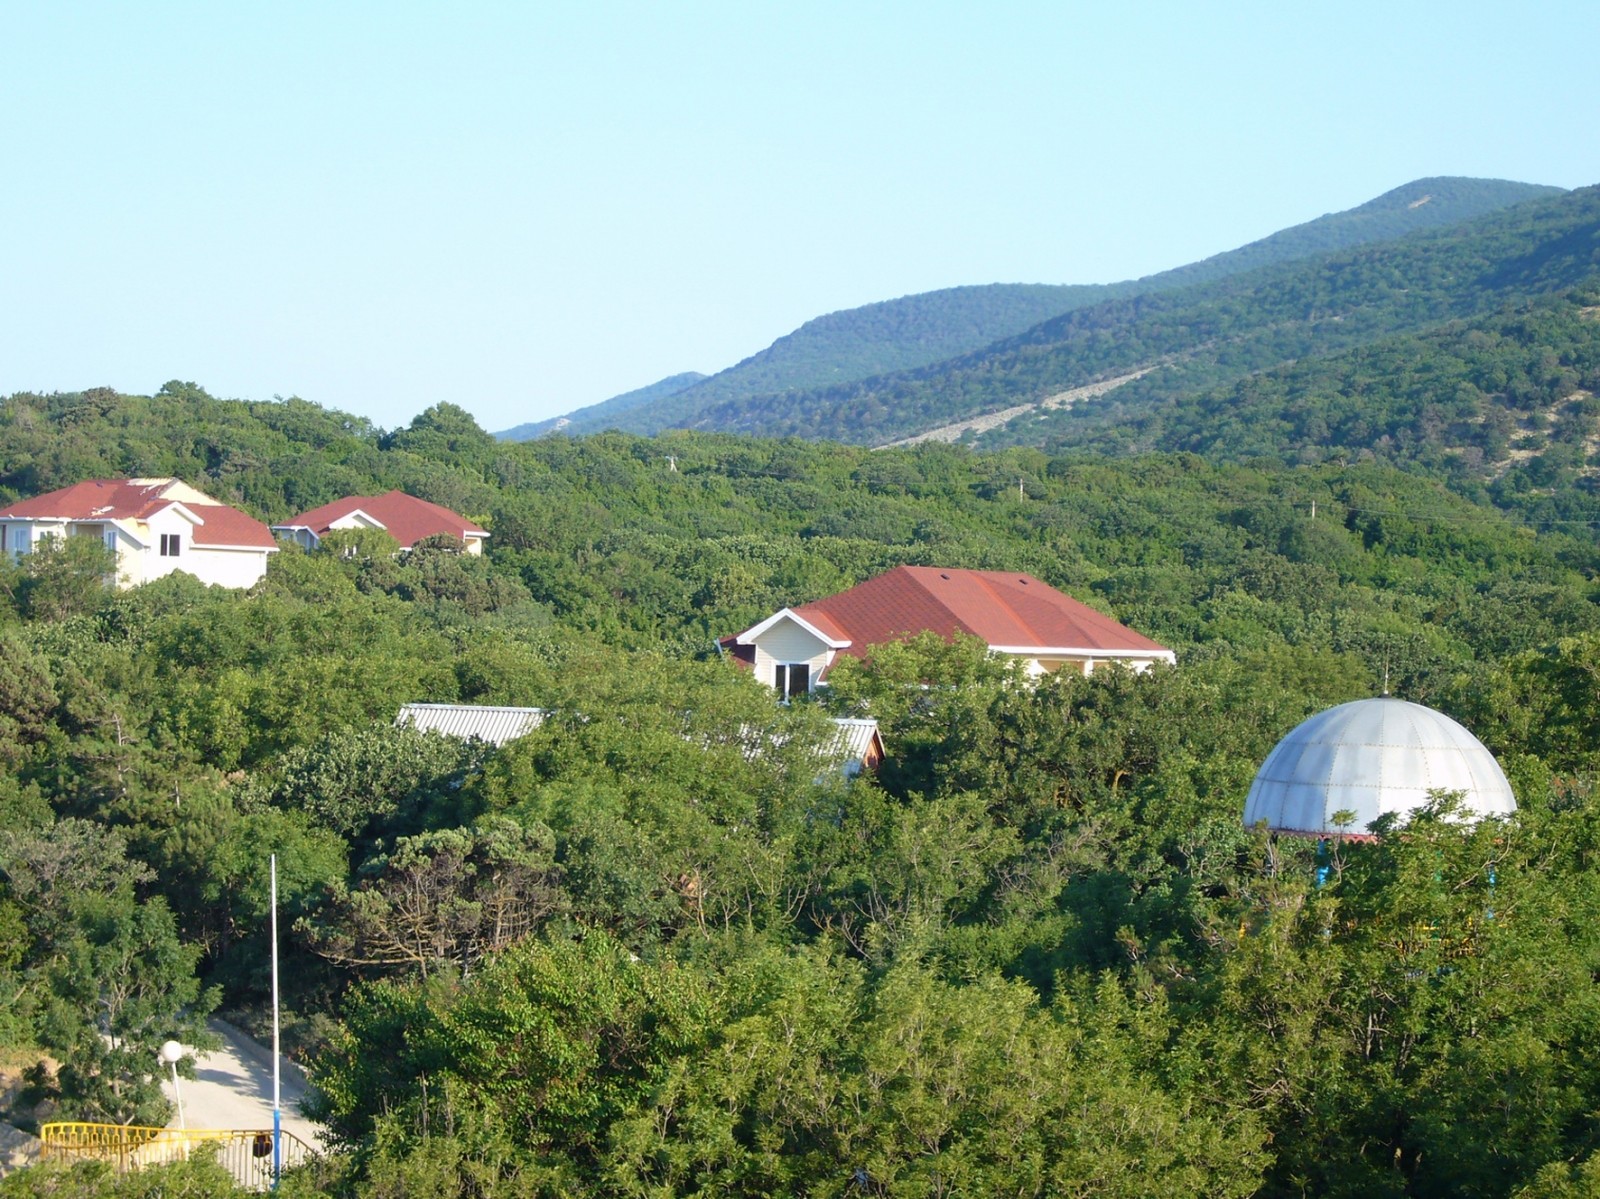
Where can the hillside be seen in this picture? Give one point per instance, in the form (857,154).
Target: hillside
(914,331)
(1199,337)
(873,339)
(606,410)
(1506,404)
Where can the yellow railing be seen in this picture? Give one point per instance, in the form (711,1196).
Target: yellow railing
(246,1153)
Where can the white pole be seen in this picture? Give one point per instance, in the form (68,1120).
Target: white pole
(171,1052)
(183,1124)
(277,1117)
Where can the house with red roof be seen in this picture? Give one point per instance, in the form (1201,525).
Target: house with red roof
(153,527)
(404,517)
(1017,615)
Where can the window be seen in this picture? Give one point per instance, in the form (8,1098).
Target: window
(169,545)
(791,678)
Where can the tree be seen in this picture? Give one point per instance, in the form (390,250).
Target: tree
(443,899)
(116,981)
(62,578)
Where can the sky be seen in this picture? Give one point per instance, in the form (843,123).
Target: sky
(526,208)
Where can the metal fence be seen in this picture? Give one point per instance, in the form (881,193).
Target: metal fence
(246,1153)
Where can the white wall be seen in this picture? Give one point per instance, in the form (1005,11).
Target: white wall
(138,563)
(788,642)
(167,522)
(354,520)
(21,535)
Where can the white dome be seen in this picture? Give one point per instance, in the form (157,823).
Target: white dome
(1372,757)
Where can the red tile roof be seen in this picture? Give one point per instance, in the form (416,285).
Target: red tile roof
(130,499)
(1010,610)
(407,519)
(94,499)
(229,526)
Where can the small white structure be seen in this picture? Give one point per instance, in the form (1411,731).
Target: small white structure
(858,745)
(153,527)
(496,725)
(1372,757)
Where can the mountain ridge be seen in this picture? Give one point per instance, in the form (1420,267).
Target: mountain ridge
(660,389)
(1207,334)
(914,331)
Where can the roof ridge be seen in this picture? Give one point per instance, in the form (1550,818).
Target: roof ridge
(998,598)
(929,592)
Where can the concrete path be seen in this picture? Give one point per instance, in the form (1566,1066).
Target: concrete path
(232,1088)
(17,1149)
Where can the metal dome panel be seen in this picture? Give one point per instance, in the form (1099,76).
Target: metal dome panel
(1372,757)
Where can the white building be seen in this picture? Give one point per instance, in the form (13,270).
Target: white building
(152,526)
(404,517)
(856,746)
(1016,614)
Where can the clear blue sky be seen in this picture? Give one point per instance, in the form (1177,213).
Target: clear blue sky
(526,208)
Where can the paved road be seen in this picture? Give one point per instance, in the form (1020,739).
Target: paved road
(233,1089)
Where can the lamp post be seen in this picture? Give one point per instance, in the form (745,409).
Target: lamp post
(170,1053)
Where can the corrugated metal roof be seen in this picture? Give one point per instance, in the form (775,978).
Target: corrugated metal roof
(850,747)
(854,741)
(487,723)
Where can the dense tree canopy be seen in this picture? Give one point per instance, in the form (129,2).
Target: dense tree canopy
(661,946)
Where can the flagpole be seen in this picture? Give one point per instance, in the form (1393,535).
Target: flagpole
(277,1116)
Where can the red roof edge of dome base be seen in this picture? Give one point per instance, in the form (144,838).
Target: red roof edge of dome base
(1304,835)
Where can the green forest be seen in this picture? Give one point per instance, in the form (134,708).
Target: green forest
(662,948)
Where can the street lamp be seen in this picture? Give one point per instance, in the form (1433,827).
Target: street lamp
(170,1053)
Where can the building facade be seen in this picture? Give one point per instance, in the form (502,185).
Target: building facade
(153,527)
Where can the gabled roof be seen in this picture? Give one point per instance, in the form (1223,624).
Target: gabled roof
(215,525)
(818,629)
(496,725)
(406,518)
(858,742)
(1012,612)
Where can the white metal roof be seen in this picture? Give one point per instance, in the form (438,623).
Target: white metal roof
(495,725)
(854,741)
(1372,757)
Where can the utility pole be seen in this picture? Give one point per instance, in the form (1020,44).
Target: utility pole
(1313,509)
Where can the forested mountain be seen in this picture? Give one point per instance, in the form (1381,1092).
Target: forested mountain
(1195,338)
(655,948)
(1505,401)
(606,410)
(913,331)
(858,342)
